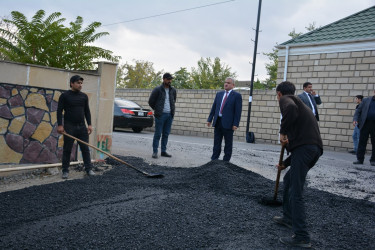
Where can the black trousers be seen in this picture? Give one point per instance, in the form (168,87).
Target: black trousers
(79,131)
(303,159)
(367,130)
(219,133)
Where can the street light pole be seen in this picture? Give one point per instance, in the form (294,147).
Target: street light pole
(250,135)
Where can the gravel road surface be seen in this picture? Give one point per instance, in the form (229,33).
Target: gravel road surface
(198,204)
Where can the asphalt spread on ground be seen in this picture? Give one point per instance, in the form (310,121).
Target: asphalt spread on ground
(214,206)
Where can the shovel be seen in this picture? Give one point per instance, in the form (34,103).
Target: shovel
(115,158)
(274,202)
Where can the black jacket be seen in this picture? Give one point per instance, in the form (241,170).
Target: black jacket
(157,99)
(76,107)
(361,112)
(298,123)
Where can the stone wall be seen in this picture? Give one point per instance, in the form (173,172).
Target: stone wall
(28,125)
(28,104)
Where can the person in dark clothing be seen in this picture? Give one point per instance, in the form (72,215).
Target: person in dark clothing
(75,105)
(364,118)
(358,99)
(225,116)
(162,100)
(299,131)
(310,98)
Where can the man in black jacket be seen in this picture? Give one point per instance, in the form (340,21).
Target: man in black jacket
(76,106)
(299,131)
(364,118)
(162,100)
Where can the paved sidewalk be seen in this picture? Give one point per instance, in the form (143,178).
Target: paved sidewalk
(333,173)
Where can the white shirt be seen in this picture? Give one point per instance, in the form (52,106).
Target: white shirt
(167,104)
(308,97)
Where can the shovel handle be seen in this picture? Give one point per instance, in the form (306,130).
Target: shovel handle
(279,171)
(112,156)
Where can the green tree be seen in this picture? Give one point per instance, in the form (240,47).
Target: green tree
(211,74)
(140,75)
(80,54)
(271,68)
(30,41)
(120,76)
(312,26)
(293,34)
(46,41)
(183,80)
(259,85)
(7,27)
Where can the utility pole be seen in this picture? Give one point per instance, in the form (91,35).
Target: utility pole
(250,135)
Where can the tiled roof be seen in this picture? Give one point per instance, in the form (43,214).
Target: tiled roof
(358,26)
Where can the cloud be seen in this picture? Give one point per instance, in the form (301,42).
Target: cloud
(165,52)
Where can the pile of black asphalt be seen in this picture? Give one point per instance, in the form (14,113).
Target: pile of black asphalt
(214,206)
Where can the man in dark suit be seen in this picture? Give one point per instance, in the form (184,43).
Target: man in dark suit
(299,131)
(364,118)
(225,114)
(310,98)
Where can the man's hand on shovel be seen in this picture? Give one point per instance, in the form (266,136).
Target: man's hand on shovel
(281,167)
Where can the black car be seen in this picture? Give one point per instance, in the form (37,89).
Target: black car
(128,114)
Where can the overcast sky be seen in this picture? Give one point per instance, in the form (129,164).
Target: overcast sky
(224,29)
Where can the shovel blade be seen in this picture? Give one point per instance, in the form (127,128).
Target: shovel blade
(155,176)
(270,202)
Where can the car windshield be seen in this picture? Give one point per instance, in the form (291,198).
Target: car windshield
(126,103)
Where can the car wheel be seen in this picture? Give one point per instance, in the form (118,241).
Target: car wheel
(137,129)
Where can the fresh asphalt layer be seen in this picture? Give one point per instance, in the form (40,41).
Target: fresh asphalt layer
(334,172)
(213,205)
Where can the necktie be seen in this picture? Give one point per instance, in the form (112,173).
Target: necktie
(311,103)
(222,105)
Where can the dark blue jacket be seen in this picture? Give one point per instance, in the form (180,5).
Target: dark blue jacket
(231,110)
(361,112)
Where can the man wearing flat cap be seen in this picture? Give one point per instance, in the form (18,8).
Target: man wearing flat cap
(162,100)
(75,105)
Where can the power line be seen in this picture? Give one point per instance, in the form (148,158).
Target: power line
(168,13)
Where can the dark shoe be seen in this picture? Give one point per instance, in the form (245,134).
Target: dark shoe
(155,155)
(65,175)
(358,162)
(282,221)
(293,242)
(353,152)
(372,163)
(165,154)
(90,173)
